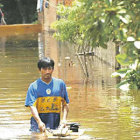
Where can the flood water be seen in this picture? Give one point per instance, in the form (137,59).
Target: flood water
(103,111)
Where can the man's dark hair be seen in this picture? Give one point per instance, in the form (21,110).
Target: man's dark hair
(45,62)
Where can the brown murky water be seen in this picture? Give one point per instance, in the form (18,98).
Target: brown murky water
(105,112)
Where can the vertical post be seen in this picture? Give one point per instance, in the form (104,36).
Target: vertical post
(117,65)
(50,44)
(49,14)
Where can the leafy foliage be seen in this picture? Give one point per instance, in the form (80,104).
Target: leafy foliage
(1,5)
(94,22)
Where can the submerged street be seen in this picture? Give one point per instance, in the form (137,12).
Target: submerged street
(105,112)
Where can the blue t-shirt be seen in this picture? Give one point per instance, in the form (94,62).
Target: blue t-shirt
(48,99)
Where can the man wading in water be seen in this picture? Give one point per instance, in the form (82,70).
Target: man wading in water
(45,97)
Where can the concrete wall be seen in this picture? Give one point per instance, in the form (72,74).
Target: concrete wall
(107,55)
(8,30)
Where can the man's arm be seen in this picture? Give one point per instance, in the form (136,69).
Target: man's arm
(35,114)
(65,111)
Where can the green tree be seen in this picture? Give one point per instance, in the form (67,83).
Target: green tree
(1,5)
(92,23)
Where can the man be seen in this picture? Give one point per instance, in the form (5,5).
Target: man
(45,97)
(2,21)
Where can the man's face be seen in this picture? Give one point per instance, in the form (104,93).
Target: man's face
(46,73)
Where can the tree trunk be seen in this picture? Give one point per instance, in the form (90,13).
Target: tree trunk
(117,65)
(21,10)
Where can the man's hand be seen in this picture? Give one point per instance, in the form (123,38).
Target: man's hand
(41,126)
(35,114)
(63,124)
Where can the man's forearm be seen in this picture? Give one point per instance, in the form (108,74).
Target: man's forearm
(65,112)
(35,114)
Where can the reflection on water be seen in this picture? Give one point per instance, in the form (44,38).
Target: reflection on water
(17,69)
(105,112)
